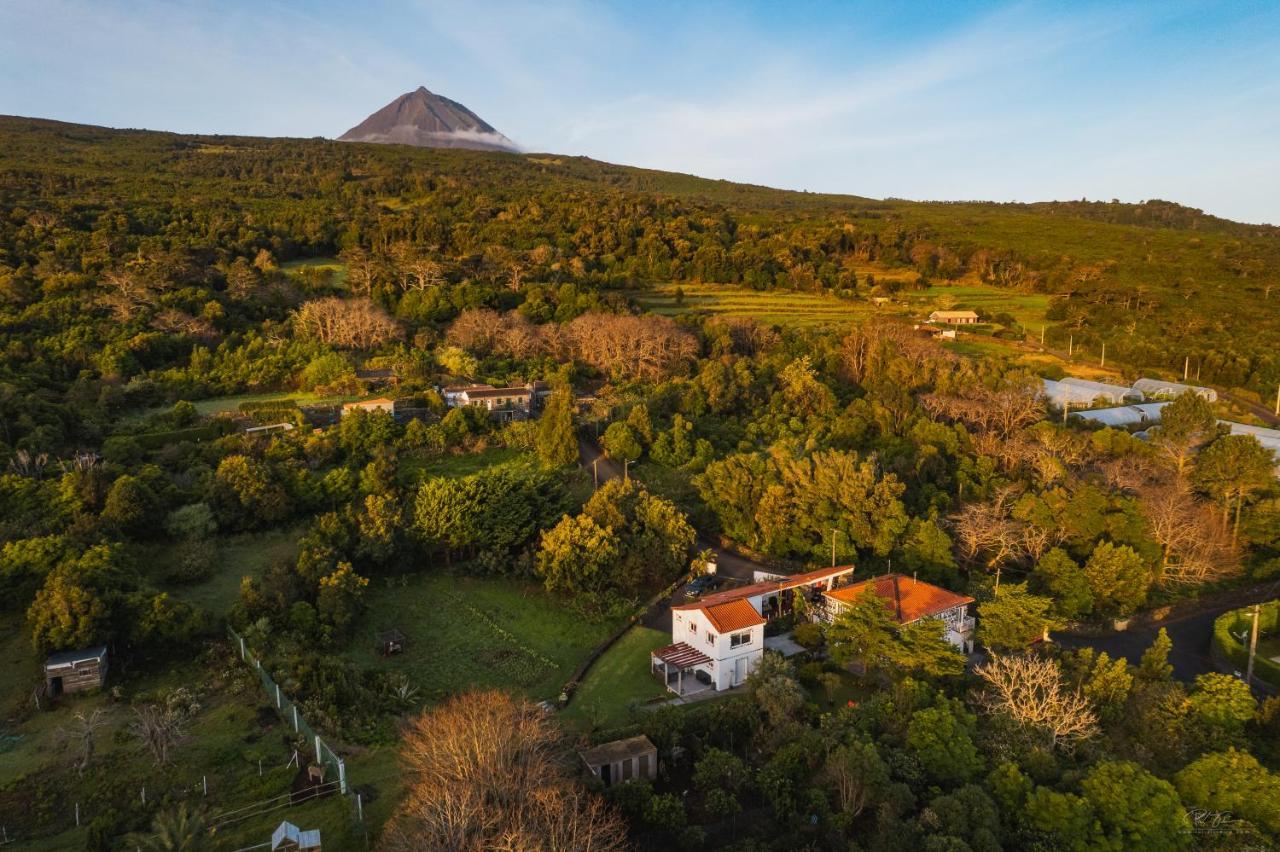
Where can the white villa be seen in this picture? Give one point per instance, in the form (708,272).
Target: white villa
(716,642)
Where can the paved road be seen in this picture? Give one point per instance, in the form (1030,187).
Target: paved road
(1190,634)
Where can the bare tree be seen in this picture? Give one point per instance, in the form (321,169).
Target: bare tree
(159,728)
(83,736)
(347,323)
(1002,411)
(631,346)
(1029,689)
(1195,545)
(127,293)
(488,771)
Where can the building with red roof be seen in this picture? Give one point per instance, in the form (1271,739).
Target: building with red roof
(909,600)
(718,640)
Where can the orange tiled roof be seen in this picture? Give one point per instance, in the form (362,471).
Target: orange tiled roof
(908,599)
(734,615)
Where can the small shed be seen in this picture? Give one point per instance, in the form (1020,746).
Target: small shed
(75,671)
(289,836)
(622,760)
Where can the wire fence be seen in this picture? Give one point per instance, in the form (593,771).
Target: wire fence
(334,769)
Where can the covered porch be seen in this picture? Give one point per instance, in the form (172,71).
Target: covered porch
(678,666)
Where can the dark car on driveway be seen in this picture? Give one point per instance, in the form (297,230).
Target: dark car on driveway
(701,585)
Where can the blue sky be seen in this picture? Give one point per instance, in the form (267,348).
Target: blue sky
(943,100)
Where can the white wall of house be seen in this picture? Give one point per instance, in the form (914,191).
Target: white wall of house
(734,655)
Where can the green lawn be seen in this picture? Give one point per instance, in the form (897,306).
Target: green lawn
(241,555)
(415,468)
(476,632)
(330,269)
(618,681)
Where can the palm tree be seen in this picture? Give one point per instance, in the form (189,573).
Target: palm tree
(182,829)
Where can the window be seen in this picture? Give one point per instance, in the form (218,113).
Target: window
(693,627)
(711,638)
(739,639)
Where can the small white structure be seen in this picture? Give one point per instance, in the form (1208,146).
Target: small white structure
(382,403)
(718,641)
(622,760)
(269,428)
(1142,414)
(288,836)
(1081,393)
(954,317)
(909,600)
(1160,389)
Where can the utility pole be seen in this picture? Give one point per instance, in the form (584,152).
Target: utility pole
(1253,645)
(1041,336)
(626,465)
(595,472)
(1186,368)
(1277,400)
(1071,345)
(834,532)
(1104,354)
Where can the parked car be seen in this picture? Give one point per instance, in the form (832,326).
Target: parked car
(701,585)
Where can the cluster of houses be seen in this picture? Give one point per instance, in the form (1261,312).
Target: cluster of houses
(503,404)
(717,641)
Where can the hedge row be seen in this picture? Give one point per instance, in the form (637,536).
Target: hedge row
(1240,621)
(268,405)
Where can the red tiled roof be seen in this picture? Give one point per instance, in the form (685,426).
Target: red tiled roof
(908,599)
(766,586)
(682,655)
(734,615)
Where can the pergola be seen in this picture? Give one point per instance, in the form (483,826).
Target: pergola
(682,657)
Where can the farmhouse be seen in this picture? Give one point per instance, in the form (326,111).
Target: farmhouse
(452,394)
(75,671)
(382,403)
(1159,389)
(909,600)
(622,760)
(954,317)
(718,641)
(504,404)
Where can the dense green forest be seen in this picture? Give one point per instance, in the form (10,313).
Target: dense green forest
(161,293)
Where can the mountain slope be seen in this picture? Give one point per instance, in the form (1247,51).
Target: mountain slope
(428,120)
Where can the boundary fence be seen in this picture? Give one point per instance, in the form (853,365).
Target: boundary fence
(288,710)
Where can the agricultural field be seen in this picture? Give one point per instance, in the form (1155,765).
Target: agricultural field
(800,310)
(236,556)
(618,682)
(415,468)
(476,632)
